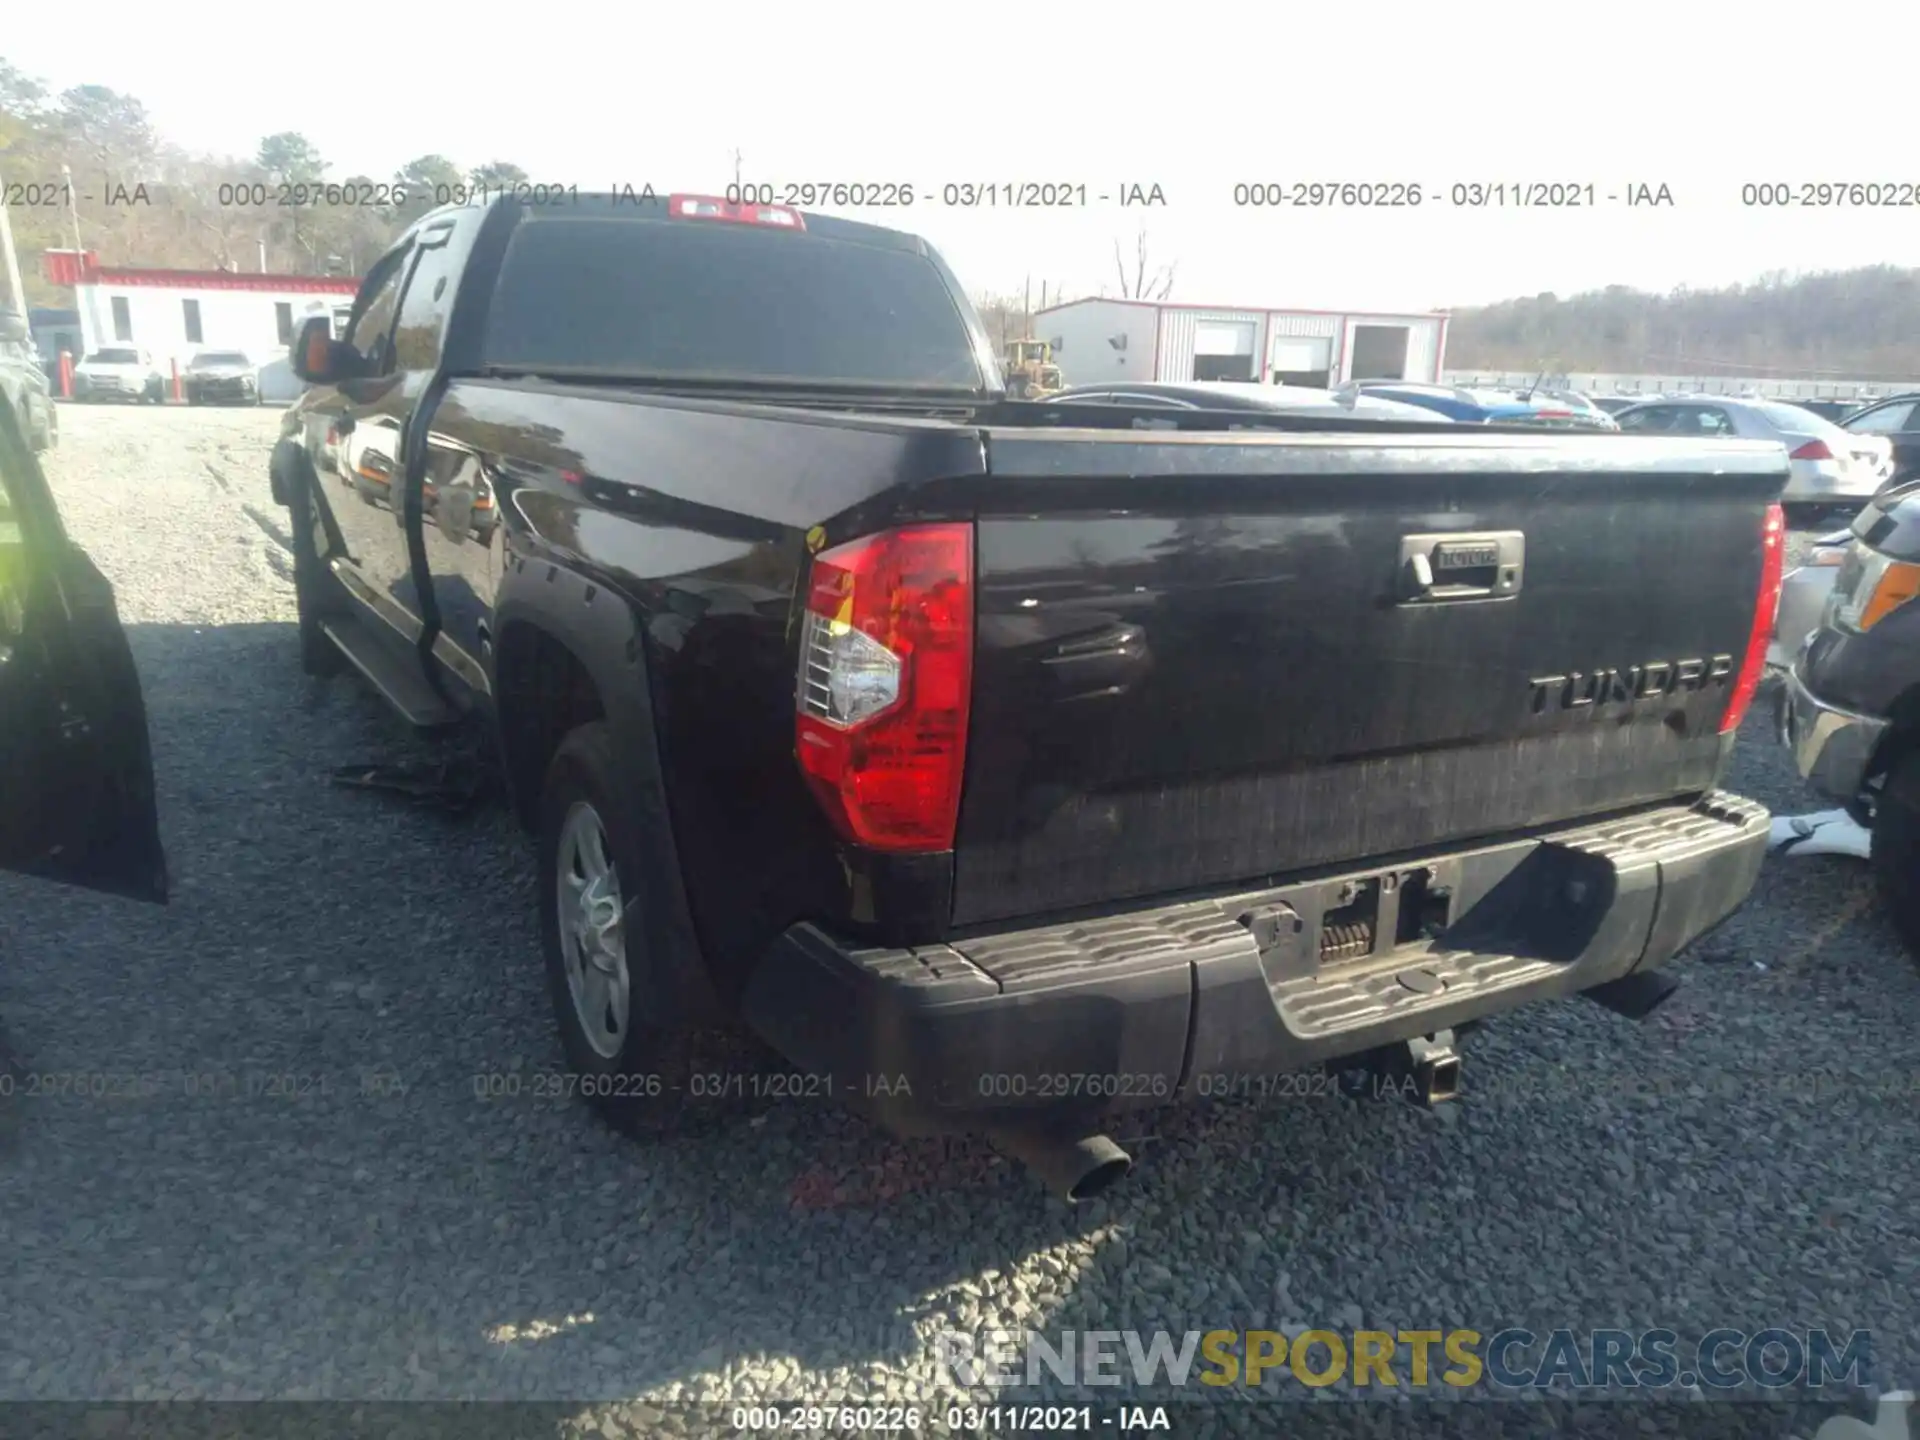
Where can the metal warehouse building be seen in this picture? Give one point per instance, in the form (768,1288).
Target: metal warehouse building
(1103,340)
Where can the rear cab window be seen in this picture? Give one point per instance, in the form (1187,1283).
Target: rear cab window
(648,297)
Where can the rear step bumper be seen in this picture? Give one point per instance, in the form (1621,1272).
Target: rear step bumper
(1068,1023)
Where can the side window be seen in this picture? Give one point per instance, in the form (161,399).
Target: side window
(372,326)
(423,312)
(1895,419)
(1710,420)
(1647,419)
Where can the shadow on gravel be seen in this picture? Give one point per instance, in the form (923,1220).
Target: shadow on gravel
(314,1141)
(331,1099)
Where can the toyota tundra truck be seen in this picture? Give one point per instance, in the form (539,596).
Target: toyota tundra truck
(1003,766)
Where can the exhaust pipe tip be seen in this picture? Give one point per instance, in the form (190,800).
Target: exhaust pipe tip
(1073,1169)
(1439,1079)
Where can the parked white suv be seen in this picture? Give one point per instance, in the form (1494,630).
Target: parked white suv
(119,372)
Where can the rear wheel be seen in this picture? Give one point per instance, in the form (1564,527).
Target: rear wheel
(1896,850)
(311,583)
(634,1065)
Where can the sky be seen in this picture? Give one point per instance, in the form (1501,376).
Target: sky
(1702,98)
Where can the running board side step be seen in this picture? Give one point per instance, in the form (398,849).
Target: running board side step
(395,674)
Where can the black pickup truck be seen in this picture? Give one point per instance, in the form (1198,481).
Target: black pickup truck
(1002,765)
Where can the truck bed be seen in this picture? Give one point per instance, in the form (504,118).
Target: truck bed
(1197,664)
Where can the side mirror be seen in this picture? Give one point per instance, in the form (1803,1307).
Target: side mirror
(318,358)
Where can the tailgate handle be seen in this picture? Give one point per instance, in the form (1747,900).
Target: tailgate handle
(1435,569)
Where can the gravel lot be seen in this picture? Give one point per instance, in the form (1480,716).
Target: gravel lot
(381,1232)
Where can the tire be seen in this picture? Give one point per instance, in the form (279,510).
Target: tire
(635,1074)
(319,656)
(1895,857)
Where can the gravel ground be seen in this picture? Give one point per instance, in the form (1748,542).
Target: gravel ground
(366,1227)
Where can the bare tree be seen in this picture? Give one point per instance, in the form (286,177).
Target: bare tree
(1005,316)
(1142,285)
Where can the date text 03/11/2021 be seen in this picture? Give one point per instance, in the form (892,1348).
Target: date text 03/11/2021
(701,1085)
(951,194)
(910,1420)
(1460,195)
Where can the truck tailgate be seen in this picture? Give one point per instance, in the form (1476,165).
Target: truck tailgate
(1208,659)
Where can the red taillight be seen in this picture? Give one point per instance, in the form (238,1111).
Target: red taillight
(1813,450)
(886,679)
(1766,606)
(712,207)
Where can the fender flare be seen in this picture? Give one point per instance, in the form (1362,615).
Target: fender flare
(287,453)
(602,630)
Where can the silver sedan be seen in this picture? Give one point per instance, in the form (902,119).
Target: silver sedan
(1803,595)
(1832,468)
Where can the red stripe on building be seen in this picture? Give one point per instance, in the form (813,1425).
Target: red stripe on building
(61,268)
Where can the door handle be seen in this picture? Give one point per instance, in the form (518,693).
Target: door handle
(1446,568)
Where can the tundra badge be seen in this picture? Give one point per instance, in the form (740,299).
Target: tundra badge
(1579,689)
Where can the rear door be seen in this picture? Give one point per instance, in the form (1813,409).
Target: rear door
(76,772)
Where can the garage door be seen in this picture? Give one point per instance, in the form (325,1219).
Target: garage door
(1294,355)
(1223,338)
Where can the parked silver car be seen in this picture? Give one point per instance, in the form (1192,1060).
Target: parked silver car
(1832,468)
(1803,595)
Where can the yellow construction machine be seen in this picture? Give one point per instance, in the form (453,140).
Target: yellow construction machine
(1029,369)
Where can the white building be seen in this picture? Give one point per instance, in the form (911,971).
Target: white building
(172,314)
(1105,340)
